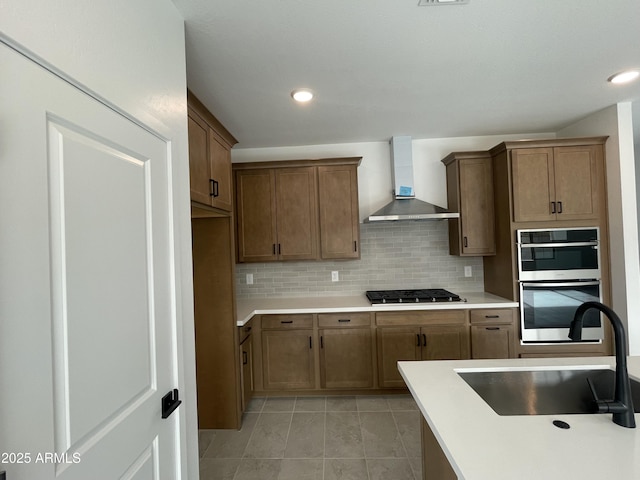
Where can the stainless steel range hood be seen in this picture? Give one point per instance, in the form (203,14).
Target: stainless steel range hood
(405,206)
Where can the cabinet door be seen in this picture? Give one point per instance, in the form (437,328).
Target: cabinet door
(246,352)
(199,167)
(287,359)
(339,216)
(256,215)
(220,164)
(296,213)
(492,341)
(476,207)
(575,182)
(395,344)
(346,358)
(445,342)
(533,184)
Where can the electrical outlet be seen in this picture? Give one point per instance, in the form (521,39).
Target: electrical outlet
(467,271)
(335,277)
(249,278)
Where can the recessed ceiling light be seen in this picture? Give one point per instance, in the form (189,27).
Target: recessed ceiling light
(624,77)
(302,95)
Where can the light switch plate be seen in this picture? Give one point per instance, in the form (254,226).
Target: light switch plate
(335,277)
(467,271)
(249,278)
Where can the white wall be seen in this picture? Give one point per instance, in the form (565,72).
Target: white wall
(616,122)
(132,54)
(374,173)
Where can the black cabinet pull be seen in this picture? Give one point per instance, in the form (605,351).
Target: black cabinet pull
(355,246)
(286,321)
(492,316)
(493,328)
(215,188)
(465,243)
(212,187)
(559,207)
(310,343)
(279,249)
(553,207)
(321,342)
(424,340)
(344,320)
(245,358)
(274,248)
(418,336)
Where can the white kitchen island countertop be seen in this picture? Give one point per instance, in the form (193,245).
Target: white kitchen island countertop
(482,445)
(247,308)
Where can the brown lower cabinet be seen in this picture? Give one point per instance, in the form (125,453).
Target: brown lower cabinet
(346,351)
(493,333)
(288,358)
(359,351)
(438,342)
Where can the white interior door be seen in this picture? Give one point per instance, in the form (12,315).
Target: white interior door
(87,317)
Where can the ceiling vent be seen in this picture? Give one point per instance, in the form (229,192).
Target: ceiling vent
(426,3)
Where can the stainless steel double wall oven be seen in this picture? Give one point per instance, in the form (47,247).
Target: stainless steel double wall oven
(558,269)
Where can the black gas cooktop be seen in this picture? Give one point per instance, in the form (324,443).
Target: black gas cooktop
(412,296)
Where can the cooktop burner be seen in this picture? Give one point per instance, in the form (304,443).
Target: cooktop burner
(412,296)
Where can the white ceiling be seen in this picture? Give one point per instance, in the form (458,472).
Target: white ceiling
(389,67)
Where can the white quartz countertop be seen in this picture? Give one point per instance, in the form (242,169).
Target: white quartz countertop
(247,308)
(482,445)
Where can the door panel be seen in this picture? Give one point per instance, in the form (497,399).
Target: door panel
(575,182)
(345,358)
(86,298)
(396,344)
(533,184)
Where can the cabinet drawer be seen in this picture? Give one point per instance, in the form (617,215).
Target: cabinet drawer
(270,322)
(435,317)
(492,316)
(344,320)
(244,332)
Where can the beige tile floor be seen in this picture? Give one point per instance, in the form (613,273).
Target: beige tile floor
(318,438)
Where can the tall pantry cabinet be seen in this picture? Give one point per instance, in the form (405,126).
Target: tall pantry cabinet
(542,184)
(218,375)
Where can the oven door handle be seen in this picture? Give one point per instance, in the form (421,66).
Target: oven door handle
(558,284)
(552,245)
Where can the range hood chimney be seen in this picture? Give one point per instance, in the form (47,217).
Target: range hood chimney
(405,206)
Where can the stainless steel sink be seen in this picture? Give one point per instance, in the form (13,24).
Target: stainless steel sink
(545,392)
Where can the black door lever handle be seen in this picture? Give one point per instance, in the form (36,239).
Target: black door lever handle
(170,402)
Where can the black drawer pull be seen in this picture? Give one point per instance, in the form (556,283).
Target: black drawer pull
(492,316)
(559,207)
(344,320)
(286,321)
(424,340)
(418,335)
(493,328)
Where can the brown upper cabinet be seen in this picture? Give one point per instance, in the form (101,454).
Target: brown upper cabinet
(209,157)
(277,214)
(297,210)
(339,213)
(470,192)
(556,183)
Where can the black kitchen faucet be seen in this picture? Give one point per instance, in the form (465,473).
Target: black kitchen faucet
(622,404)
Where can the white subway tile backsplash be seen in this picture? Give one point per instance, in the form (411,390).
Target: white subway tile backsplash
(393,255)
